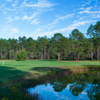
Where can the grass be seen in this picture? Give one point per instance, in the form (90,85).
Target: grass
(17,75)
(13,71)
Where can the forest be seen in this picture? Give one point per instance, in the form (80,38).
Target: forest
(75,47)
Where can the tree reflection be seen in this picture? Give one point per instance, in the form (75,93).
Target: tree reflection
(78,83)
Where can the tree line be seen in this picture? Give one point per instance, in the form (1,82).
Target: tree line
(74,47)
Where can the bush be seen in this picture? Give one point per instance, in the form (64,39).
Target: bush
(21,56)
(15,93)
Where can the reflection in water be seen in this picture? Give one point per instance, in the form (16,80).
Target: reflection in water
(79,86)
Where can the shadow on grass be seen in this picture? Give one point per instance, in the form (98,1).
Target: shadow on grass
(59,69)
(65,60)
(10,76)
(60,72)
(48,60)
(49,69)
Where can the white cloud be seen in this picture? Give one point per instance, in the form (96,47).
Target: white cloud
(87,10)
(69,28)
(26,10)
(78,23)
(83,17)
(81,8)
(9,19)
(95,16)
(9,0)
(85,3)
(63,18)
(48,33)
(9,9)
(14,31)
(24,2)
(48,27)
(15,3)
(40,7)
(35,21)
(10,30)
(40,4)
(17,18)
(96,6)
(32,18)
(25,17)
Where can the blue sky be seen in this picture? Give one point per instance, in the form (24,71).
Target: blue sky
(33,18)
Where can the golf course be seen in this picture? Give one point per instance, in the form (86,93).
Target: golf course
(14,71)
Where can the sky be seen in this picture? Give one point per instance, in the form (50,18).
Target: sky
(33,18)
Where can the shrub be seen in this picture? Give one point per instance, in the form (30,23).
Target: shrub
(21,56)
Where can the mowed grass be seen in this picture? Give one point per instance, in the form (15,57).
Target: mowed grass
(13,71)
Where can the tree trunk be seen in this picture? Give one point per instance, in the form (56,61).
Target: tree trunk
(13,55)
(45,52)
(91,55)
(41,55)
(48,57)
(91,52)
(9,53)
(1,55)
(77,57)
(98,52)
(58,56)
(31,56)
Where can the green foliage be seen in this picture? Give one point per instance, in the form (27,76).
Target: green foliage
(21,56)
(16,92)
(77,37)
(97,29)
(90,31)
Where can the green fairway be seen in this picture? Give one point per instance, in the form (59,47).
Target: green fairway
(18,70)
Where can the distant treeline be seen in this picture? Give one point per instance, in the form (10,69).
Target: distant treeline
(77,46)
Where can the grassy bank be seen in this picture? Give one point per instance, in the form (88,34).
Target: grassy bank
(16,71)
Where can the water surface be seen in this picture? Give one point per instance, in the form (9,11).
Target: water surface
(79,86)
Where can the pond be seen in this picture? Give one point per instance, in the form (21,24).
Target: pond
(79,86)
